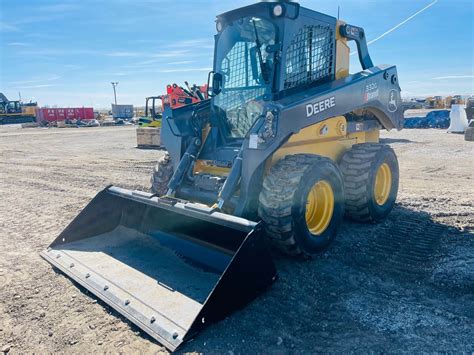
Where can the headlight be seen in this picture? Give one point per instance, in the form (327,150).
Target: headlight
(277,10)
(219,26)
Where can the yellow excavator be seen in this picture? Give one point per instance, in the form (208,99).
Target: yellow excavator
(16,111)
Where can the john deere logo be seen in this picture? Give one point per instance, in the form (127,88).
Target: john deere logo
(392,101)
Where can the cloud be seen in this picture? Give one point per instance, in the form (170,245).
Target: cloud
(184,70)
(193,43)
(453,77)
(122,54)
(35,86)
(37,80)
(5,27)
(180,62)
(56,52)
(18,44)
(58,8)
(170,53)
(72,66)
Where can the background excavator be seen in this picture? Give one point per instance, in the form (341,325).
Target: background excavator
(16,111)
(286,144)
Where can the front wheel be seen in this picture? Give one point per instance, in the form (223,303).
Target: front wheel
(161,176)
(302,204)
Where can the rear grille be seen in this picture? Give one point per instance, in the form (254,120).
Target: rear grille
(310,56)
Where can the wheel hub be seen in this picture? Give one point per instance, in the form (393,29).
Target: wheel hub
(383,184)
(319,207)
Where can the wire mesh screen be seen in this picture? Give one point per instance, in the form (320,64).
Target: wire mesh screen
(310,56)
(240,87)
(238,76)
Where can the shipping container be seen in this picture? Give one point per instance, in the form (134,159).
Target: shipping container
(62,114)
(70,113)
(122,111)
(79,112)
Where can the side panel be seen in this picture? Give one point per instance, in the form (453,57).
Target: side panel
(375,90)
(328,138)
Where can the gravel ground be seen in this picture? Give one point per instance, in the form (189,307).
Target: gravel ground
(404,285)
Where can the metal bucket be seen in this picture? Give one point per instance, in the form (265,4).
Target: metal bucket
(169,267)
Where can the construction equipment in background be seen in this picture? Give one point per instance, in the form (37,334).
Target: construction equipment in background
(122,112)
(434,102)
(286,144)
(16,111)
(177,96)
(153,115)
(469,133)
(454,100)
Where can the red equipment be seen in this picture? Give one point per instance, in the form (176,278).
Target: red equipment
(62,114)
(177,96)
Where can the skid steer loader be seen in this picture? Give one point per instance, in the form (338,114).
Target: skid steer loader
(286,144)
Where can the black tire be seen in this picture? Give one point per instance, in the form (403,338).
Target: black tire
(469,134)
(283,198)
(162,173)
(359,167)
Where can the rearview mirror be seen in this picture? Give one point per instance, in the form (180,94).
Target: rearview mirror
(216,84)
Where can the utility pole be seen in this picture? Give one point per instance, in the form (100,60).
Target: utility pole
(114,84)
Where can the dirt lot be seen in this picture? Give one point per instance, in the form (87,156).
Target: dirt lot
(405,285)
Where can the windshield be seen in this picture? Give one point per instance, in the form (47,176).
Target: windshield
(247,70)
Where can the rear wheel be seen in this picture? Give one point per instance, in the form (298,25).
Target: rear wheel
(302,203)
(162,173)
(371,175)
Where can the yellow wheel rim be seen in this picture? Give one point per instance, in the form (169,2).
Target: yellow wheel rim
(319,207)
(383,184)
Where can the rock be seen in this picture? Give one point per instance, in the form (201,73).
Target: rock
(42,314)
(50,333)
(74,296)
(450,315)
(100,342)
(72,342)
(279,341)
(6,349)
(91,326)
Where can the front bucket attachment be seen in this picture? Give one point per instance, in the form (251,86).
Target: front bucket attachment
(169,267)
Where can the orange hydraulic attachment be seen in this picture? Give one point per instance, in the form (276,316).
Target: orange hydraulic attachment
(177,96)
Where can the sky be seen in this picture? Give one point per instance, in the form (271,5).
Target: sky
(67,53)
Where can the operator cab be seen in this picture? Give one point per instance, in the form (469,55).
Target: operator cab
(261,55)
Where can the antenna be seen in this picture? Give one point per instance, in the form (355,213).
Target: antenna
(338,9)
(19,96)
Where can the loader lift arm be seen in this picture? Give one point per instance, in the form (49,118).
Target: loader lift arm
(357,34)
